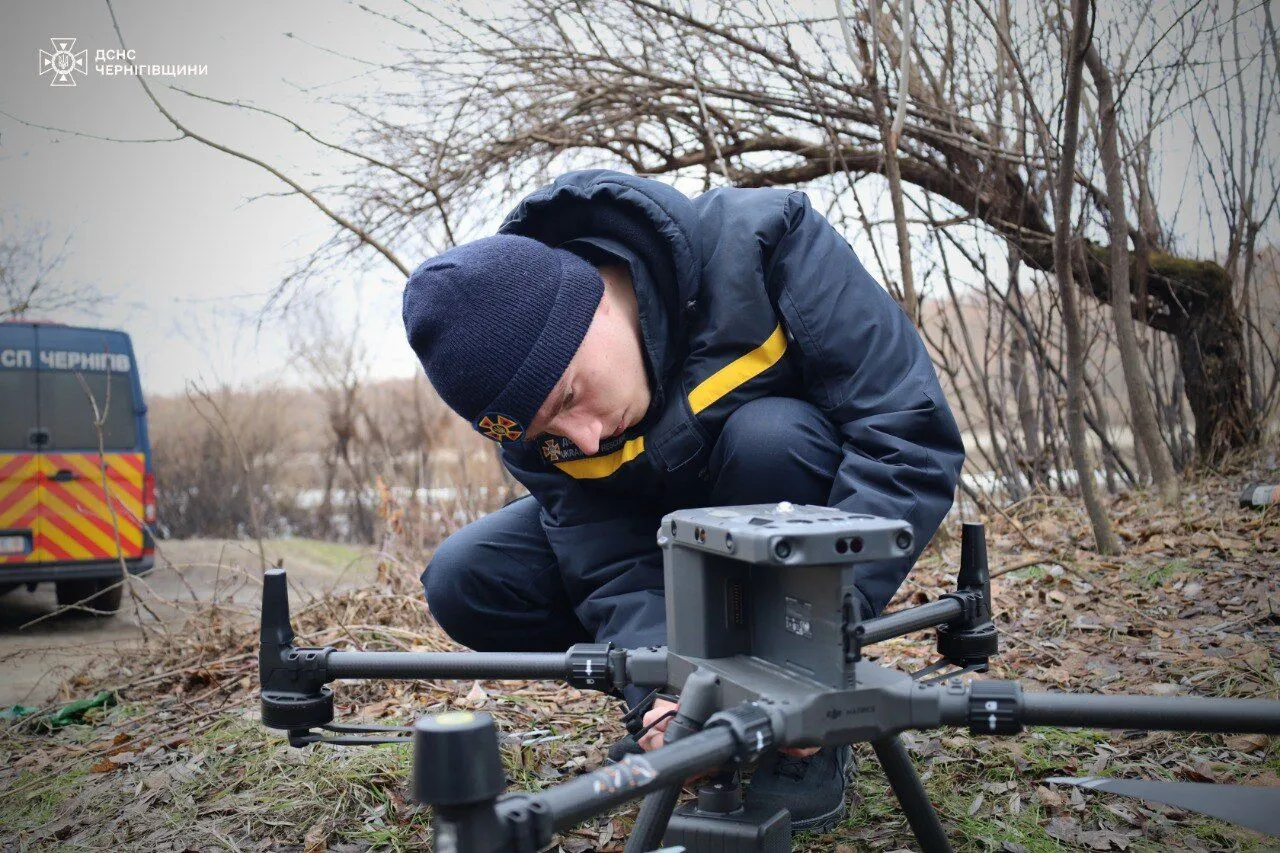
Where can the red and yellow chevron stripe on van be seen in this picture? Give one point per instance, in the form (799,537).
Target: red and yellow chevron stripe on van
(19,498)
(65,504)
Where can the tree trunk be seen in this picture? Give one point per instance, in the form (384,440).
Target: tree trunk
(1193,301)
(889,131)
(1062,232)
(1031,462)
(1210,341)
(1146,431)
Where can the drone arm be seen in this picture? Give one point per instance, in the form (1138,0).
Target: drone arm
(295,696)
(426,665)
(908,621)
(592,794)
(1000,707)
(1183,713)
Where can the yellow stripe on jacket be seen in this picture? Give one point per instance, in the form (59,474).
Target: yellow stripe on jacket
(715,387)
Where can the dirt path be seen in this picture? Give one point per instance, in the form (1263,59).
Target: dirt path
(36,656)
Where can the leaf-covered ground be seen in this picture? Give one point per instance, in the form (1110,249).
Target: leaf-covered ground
(1191,608)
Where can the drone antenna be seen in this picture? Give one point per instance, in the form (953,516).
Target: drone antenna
(974,574)
(294,696)
(971,640)
(277,632)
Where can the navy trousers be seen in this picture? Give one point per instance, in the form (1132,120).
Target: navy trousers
(495,585)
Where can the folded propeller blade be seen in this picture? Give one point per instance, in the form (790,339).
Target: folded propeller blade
(1244,805)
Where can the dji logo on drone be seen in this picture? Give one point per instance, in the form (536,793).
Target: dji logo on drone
(63,62)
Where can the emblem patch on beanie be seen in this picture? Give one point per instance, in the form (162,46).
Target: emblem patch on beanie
(500,427)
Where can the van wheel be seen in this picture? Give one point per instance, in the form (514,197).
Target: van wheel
(109,592)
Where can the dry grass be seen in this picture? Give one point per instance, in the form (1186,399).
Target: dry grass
(1192,608)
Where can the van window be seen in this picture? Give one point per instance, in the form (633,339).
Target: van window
(67,413)
(17,408)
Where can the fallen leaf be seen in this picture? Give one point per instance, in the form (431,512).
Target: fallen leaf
(1102,839)
(1247,743)
(1163,689)
(1050,797)
(1265,780)
(317,838)
(1065,829)
(1200,773)
(476,697)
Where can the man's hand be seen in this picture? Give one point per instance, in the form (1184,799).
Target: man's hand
(656,736)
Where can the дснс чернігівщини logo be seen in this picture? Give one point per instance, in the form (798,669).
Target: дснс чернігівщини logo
(63,62)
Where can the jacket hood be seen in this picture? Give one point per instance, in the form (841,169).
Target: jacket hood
(656,222)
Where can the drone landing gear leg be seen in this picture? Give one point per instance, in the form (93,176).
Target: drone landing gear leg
(699,699)
(909,790)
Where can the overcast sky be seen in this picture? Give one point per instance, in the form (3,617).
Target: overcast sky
(170,232)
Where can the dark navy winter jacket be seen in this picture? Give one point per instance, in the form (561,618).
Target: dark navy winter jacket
(743,293)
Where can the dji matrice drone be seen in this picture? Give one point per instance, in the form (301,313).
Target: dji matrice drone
(764,648)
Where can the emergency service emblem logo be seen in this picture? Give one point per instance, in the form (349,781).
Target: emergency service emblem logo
(556,448)
(500,427)
(63,62)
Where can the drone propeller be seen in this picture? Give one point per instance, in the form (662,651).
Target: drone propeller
(1244,805)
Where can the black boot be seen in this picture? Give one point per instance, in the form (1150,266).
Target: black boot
(812,788)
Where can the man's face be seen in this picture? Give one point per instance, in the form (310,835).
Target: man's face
(605,389)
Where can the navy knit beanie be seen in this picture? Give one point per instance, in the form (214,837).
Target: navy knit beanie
(495,323)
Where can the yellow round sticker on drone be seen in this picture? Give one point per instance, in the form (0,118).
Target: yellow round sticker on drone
(455,718)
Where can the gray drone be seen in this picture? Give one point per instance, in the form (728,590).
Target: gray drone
(765,650)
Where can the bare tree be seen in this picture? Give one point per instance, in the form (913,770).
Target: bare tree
(1063,263)
(733,93)
(890,130)
(1146,430)
(551,83)
(32,276)
(219,455)
(334,360)
(1241,174)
